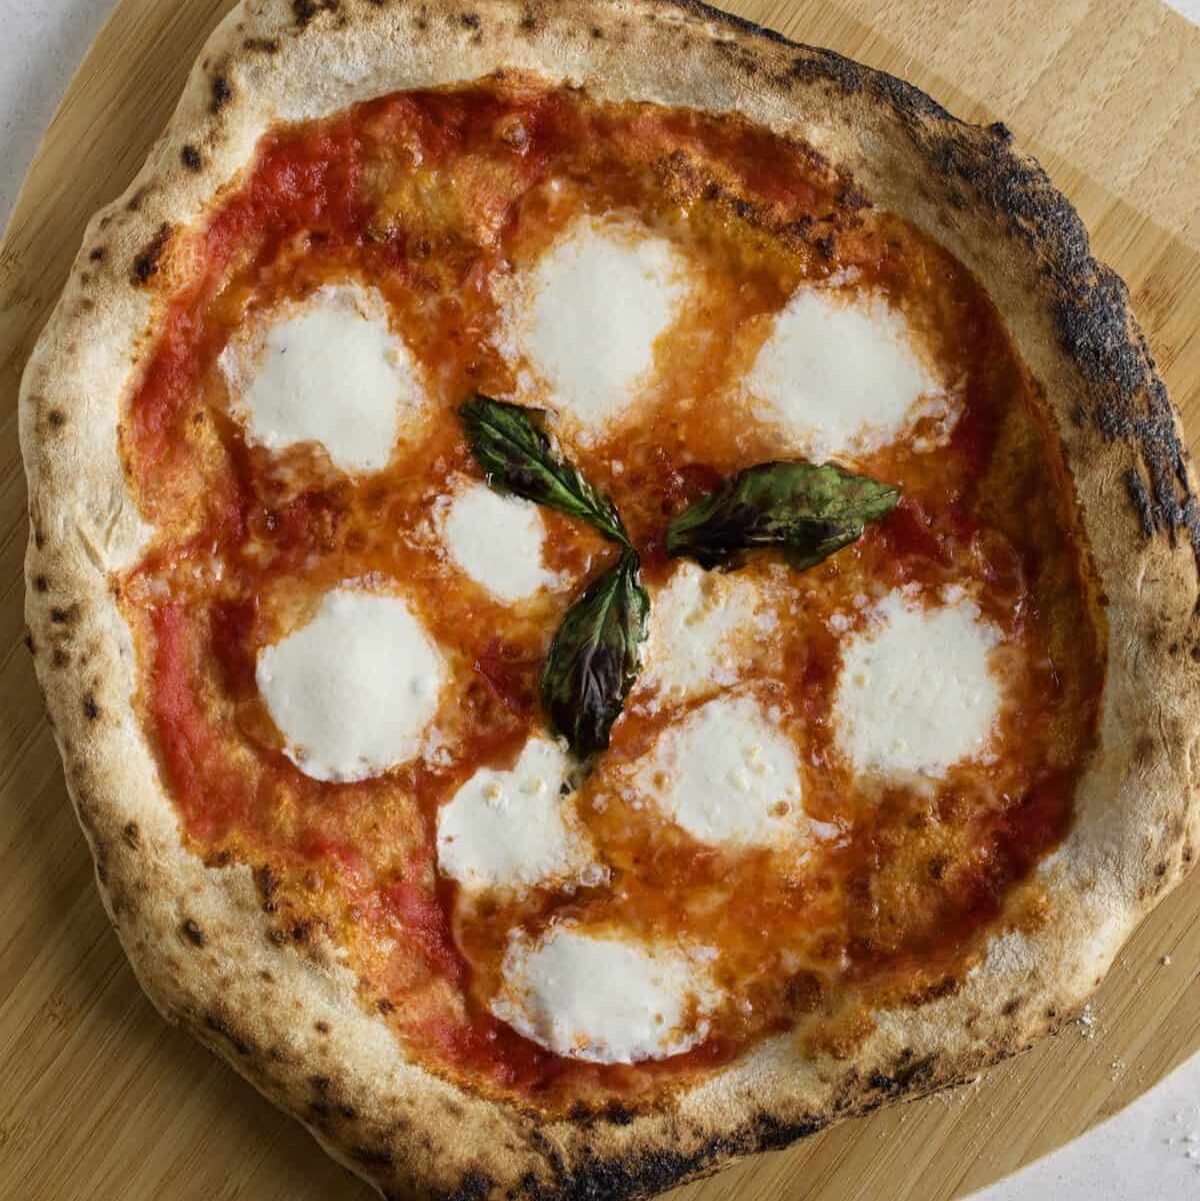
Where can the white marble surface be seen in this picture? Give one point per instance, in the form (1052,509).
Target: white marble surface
(1150,1151)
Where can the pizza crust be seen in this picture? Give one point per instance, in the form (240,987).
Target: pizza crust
(288,1018)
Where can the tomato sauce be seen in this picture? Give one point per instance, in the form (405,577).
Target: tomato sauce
(430,198)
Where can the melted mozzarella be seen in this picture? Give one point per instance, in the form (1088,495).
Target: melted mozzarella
(729,776)
(701,628)
(329,371)
(353,690)
(587,315)
(915,693)
(838,376)
(603,998)
(508,828)
(497,540)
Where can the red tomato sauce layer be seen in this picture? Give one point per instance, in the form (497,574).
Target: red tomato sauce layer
(436,199)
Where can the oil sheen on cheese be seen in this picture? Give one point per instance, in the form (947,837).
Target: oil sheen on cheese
(916,693)
(497,541)
(353,691)
(603,996)
(504,829)
(728,775)
(584,320)
(839,378)
(330,371)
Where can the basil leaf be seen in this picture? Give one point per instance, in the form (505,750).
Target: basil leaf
(595,657)
(807,511)
(517,456)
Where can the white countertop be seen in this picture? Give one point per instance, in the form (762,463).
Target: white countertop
(1150,1151)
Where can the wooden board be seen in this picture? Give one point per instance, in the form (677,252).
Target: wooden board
(100,1100)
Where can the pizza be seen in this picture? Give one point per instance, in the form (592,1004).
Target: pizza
(613,590)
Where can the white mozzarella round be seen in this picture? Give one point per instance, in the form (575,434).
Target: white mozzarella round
(838,376)
(602,997)
(327,370)
(702,625)
(497,540)
(586,317)
(728,775)
(353,690)
(916,693)
(508,828)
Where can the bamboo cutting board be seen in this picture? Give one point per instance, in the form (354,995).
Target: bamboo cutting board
(99,1099)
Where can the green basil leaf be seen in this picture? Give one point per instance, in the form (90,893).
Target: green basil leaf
(517,456)
(595,657)
(805,510)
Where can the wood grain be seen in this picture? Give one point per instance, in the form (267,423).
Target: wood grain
(100,1100)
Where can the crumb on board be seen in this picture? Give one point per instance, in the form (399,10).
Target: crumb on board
(1087,1023)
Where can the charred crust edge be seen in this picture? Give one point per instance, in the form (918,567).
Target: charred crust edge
(220,91)
(147,261)
(652,1171)
(1094,323)
(190,929)
(304,11)
(1091,308)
